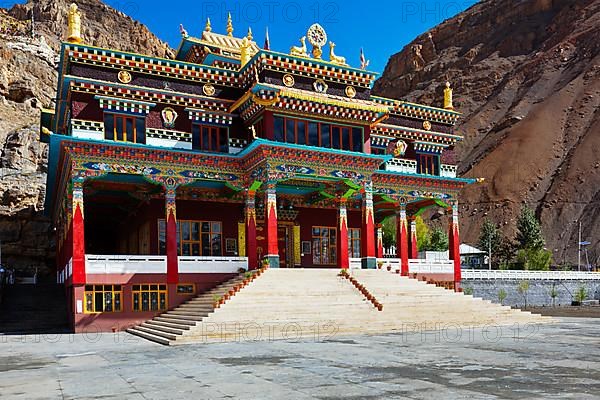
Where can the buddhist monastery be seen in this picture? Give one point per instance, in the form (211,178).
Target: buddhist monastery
(167,177)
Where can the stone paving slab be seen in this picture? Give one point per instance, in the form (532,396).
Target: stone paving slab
(555,361)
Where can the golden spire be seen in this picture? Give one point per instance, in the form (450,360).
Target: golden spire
(249,36)
(244,52)
(74,25)
(207,27)
(229,25)
(448,97)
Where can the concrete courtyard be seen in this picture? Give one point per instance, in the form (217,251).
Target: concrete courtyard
(555,361)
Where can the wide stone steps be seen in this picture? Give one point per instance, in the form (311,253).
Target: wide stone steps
(291,303)
(171,325)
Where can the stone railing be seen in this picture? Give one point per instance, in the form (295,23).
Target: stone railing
(448,171)
(205,265)
(419,266)
(168,138)
(111,264)
(473,274)
(87,129)
(401,165)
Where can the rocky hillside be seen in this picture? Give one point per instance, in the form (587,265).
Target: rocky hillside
(28,73)
(526,76)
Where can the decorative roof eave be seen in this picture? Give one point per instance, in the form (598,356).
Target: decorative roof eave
(137,63)
(394,180)
(305,102)
(144,94)
(413,110)
(310,67)
(282,159)
(401,131)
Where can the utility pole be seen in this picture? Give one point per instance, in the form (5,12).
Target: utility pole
(579,249)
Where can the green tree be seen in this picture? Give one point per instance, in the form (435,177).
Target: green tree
(534,259)
(422,234)
(524,290)
(505,253)
(490,237)
(529,232)
(553,294)
(389,232)
(581,294)
(437,241)
(501,295)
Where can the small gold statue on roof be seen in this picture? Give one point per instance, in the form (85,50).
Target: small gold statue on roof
(74,25)
(244,52)
(229,25)
(338,60)
(299,50)
(448,97)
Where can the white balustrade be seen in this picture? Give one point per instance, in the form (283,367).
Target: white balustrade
(355,263)
(401,165)
(421,266)
(472,274)
(112,264)
(206,265)
(448,171)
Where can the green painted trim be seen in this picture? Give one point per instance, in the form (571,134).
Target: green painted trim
(349,193)
(255,185)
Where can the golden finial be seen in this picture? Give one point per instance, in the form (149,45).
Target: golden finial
(74,25)
(207,27)
(249,36)
(229,25)
(244,52)
(448,97)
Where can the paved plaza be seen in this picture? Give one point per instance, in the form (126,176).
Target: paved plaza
(555,361)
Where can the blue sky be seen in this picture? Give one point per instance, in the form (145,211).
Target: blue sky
(382,28)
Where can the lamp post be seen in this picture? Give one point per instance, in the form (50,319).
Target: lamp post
(579,249)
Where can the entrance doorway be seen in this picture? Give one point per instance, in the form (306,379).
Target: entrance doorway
(285,238)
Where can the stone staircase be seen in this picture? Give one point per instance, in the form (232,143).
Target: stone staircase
(317,303)
(173,324)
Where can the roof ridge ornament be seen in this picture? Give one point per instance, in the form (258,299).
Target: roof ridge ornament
(249,35)
(229,25)
(74,25)
(318,38)
(334,59)
(207,27)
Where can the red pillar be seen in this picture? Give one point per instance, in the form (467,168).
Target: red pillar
(343,259)
(251,231)
(414,248)
(454,244)
(402,240)
(367,233)
(171,237)
(379,241)
(78,235)
(271,226)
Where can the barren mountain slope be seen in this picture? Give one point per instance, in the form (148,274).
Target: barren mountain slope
(526,76)
(28,76)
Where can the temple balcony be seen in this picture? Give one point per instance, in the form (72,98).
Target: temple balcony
(407,166)
(401,165)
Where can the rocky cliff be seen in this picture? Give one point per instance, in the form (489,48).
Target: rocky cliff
(526,76)
(28,73)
